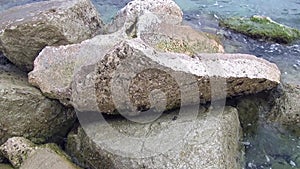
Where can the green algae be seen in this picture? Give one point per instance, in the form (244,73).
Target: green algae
(260,27)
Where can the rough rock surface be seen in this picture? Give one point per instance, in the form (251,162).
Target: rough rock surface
(132,70)
(26,30)
(56,63)
(261,27)
(26,155)
(211,142)
(16,150)
(26,112)
(167,10)
(175,38)
(287,108)
(47,158)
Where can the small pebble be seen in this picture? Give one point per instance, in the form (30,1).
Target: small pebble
(295,67)
(250,165)
(246,143)
(292,163)
(268,159)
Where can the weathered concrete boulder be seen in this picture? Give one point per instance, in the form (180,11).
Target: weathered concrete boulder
(167,10)
(55,67)
(261,27)
(56,63)
(210,141)
(26,112)
(286,109)
(175,38)
(26,30)
(24,154)
(125,78)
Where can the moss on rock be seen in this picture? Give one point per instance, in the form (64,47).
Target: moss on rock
(260,27)
(5,166)
(24,154)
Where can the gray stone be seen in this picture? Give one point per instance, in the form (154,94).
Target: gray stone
(47,159)
(128,75)
(26,112)
(26,30)
(286,109)
(24,154)
(210,141)
(56,63)
(167,10)
(55,67)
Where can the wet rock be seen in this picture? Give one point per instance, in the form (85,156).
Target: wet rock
(248,109)
(210,141)
(284,165)
(260,27)
(26,112)
(26,30)
(286,109)
(167,10)
(127,76)
(55,67)
(26,155)
(175,38)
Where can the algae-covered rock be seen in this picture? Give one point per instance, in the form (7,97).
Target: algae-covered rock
(24,154)
(26,30)
(260,27)
(5,166)
(209,141)
(50,157)
(26,112)
(248,109)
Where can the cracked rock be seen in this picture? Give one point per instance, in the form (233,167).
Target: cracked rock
(127,76)
(209,139)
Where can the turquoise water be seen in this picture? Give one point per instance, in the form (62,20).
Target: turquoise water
(287,11)
(270,146)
